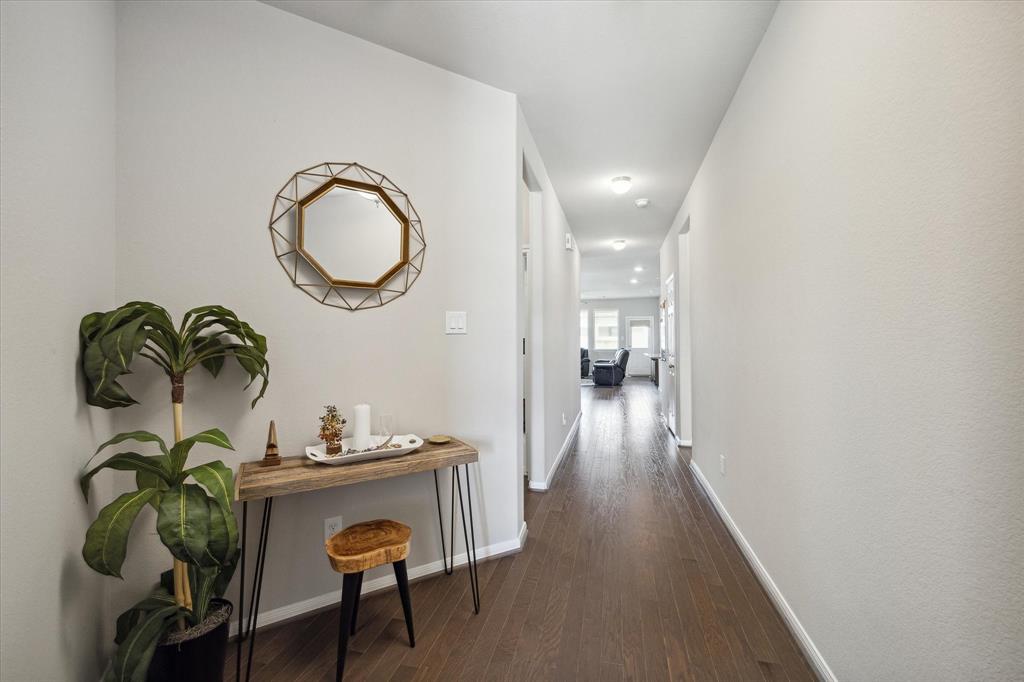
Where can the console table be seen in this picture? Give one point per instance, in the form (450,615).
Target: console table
(655,359)
(300,474)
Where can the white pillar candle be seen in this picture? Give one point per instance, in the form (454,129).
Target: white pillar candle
(361,426)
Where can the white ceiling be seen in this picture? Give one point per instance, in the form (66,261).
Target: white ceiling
(608,88)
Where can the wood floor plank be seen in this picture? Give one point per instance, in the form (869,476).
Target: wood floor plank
(628,574)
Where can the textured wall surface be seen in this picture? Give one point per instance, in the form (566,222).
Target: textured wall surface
(57,254)
(857,236)
(218,104)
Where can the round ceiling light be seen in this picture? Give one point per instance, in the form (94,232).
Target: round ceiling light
(642,203)
(619,244)
(638,268)
(621,184)
(634,280)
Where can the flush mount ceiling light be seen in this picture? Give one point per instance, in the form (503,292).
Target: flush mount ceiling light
(634,280)
(619,244)
(638,268)
(642,203)
(621,184)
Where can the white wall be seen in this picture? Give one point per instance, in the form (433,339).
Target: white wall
(858,300)
(641,306)
(57,255)
(554,327)
(218,104)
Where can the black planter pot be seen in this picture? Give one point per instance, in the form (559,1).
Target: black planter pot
(195,660)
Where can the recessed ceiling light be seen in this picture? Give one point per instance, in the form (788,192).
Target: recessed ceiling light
(621,184)
(634,280)
(619,244)
(642,203)
(638,268)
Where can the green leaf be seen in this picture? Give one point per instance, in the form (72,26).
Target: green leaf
(113,395)
(249,352)
(106,541)
(223,536)
(159,598)
(225,575)
(202,344)
(140,436)
(89,325)
(254,364)
(183,522)
(144,479)
(131,661)
(120,345)
(218,479)
(179,453)
(101,374)
(129,461)
(158,318)
(204,581)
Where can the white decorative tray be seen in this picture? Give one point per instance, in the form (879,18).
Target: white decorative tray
(406,444)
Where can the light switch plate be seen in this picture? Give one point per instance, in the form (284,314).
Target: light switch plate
(455,322)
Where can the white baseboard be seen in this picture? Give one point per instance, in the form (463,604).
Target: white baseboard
(806,644)
(523,532)
(334,597)
(684,443)
(570,440)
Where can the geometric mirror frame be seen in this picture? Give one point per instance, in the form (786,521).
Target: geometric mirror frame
(347,235)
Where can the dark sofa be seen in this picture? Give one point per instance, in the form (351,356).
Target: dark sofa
(584,363)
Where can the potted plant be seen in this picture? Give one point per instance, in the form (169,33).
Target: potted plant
(194,518)
(331,426)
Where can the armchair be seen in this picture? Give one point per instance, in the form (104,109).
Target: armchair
(611,372)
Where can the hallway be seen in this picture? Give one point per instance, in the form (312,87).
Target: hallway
(628,573)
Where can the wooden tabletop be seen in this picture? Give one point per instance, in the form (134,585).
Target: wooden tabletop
(301,474)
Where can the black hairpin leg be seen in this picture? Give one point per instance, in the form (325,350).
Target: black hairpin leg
(241,597)
(448,566)
(257,588)
(469,535)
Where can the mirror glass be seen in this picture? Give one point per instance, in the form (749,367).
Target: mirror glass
(352,234)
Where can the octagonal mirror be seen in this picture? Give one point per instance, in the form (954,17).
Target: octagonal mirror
(352,233)
(347,235)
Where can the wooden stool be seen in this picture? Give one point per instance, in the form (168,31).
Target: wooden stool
(359,548)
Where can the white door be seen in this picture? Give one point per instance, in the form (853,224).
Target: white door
(669,378)
(639,340)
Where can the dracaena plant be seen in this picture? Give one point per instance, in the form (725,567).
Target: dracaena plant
(194,518)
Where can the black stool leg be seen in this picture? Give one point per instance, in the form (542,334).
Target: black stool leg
(402,577)
(355,609)
(348,606)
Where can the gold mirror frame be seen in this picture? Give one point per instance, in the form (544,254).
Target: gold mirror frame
(286,235)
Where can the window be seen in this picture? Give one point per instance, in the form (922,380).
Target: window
(606,329)
(639,332)
(584,330)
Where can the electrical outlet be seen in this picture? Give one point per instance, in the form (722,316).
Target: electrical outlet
(721,463)
(332,526)
(564,422)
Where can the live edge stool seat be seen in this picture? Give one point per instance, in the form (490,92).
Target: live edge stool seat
(357,549)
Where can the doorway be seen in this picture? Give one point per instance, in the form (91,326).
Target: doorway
(640,341)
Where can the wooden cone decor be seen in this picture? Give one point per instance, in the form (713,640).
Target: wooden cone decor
(273,456)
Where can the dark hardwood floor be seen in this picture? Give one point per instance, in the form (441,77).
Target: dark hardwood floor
(628,573)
